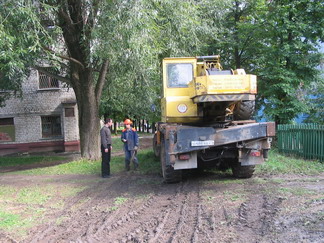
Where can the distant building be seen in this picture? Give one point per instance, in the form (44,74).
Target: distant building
(45,118)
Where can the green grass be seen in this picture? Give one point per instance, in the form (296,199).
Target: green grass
(8,220)
(281,164)
(276,164)
(24,160)
(148,164)
(117,144)
(25,206)
(234,195)
(295,191)
(37,194)
(228,181)
(120,200)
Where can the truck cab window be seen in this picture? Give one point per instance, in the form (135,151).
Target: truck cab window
(179,74)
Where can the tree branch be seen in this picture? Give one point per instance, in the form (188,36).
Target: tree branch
(101,80)
(52,75)
(64,57)
(245,44)
(63,13)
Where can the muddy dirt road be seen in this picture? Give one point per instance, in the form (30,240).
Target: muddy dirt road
(207,207)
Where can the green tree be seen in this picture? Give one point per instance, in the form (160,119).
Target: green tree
(315,102)
(157,29)
(92,41)
(291,56)
(239,24)
(276,40)
(18,50)
(60,33)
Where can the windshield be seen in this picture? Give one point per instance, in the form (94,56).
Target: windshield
(179,74)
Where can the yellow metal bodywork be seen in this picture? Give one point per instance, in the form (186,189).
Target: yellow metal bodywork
(223,84)
(179,96)
(178,104)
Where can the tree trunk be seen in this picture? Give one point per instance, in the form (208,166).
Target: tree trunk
(89,126)
(115,127)
(89,122)
(77,23)
(237,15)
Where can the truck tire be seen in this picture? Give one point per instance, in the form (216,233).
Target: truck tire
(240,171)
(156,147)
(244,110)
(169,174)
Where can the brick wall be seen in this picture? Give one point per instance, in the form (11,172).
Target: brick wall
(34,103)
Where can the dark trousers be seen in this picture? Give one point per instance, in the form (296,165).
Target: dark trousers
(105,163)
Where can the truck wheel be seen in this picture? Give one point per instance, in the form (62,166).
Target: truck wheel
(240,171)
(244,110)
(156,147)
(169,174)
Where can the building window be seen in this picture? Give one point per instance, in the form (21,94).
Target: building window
(7,130)
(51,126)
(46,82)
(69,112)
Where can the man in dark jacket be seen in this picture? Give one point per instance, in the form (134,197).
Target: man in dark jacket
(130,139)
(106,147)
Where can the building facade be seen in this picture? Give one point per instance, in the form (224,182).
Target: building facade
(44,118)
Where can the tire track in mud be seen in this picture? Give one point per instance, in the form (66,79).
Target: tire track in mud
(256,217)
(146,223)
(187,217)
(119,219)
(79,219)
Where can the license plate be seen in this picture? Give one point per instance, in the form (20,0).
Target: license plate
(202,143)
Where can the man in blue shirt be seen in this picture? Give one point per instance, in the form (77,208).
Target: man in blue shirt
(130,139)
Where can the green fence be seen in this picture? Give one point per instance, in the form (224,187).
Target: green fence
(305,140)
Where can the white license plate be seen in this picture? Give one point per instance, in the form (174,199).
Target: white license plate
(202,143)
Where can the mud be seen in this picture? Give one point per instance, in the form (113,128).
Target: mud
(205,207)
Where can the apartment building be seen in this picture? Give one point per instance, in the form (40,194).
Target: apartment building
(44,118)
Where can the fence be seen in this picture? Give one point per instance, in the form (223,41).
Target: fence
(304,140)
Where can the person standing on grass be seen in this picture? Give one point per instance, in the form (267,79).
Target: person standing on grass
(130,139)
(106,147)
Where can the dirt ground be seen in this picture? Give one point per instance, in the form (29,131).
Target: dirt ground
(205,207)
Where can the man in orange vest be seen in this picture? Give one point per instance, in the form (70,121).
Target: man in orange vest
(130,139)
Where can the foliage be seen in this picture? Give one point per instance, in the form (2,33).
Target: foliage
(115,48)
(148,30)
(123,42)
(240,25)
(19,48)
(292,32)
(276,40)
(315,102)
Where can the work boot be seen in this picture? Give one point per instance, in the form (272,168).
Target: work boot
(127,167)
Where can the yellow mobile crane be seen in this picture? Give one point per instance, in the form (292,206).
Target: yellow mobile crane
(206,119)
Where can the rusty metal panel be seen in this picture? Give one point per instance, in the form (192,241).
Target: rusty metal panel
(271,129)
(240,133)
(185,135)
